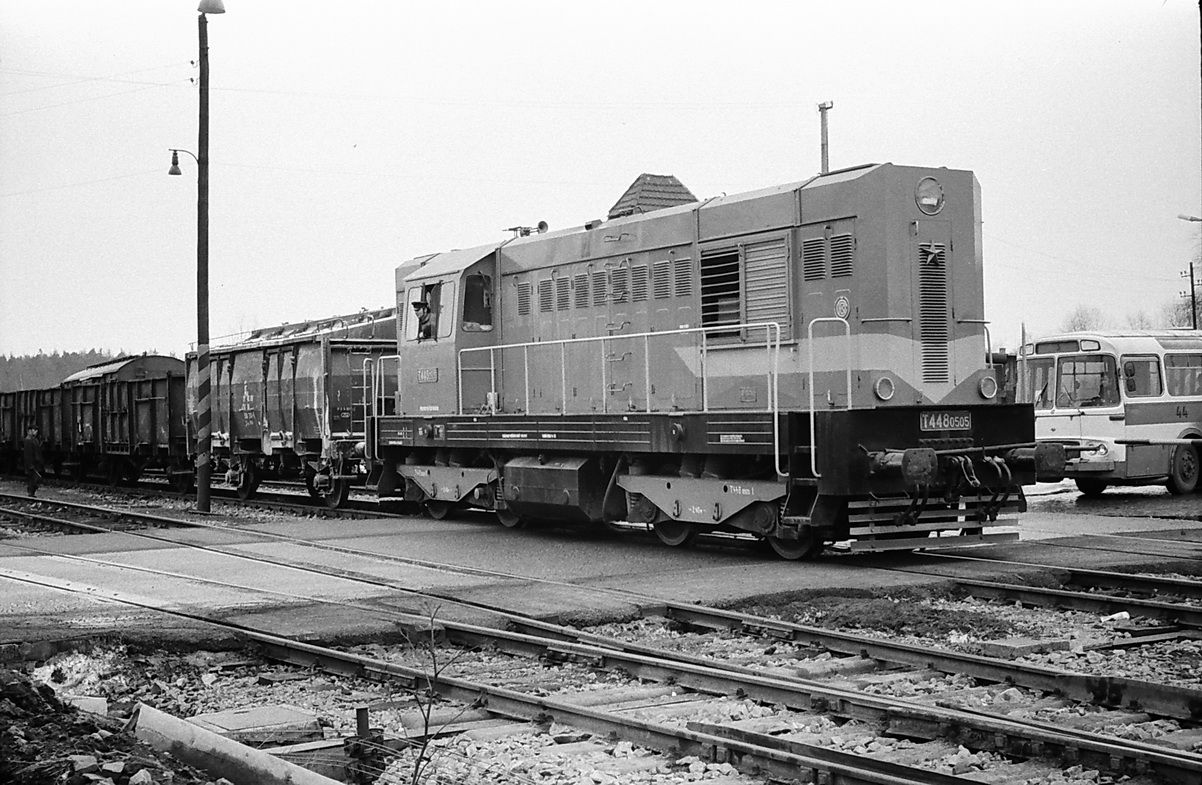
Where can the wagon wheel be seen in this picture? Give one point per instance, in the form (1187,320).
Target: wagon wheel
(510,519)
(1183,469)
(311,484)
(181,481)
(113,472)
(437,508)
(248,479)
(806,546)
(336,494)
(675,533)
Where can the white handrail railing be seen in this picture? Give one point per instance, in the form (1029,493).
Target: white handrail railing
(771,345)
(813,428)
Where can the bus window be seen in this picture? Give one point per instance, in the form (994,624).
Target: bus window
(1087,380)
(1183,374)
(1039,376)
(1141,376)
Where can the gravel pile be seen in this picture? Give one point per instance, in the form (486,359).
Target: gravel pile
(44,741)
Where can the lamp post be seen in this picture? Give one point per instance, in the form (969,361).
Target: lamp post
(204,413)
(823,108)
(1193,286)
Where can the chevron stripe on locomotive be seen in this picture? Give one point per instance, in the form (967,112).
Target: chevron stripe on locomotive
(803,365)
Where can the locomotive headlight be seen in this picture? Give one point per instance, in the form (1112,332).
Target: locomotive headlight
(988,387)
(883,388)
(1099,449)
(928,195)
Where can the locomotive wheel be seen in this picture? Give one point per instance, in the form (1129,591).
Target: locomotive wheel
(337,494)
(510,519)
(1183,469)
(248,480)
(675,534)
(805,547)
(1091,486)
(437,508)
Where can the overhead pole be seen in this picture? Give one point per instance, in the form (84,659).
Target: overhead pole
(1193,282)
(822,110)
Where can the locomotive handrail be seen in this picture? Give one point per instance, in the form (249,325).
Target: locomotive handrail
(771,345)
(813,417)
(374,367)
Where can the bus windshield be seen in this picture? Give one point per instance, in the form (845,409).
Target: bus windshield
(1087,380)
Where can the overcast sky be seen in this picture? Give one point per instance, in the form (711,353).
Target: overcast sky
(347,137)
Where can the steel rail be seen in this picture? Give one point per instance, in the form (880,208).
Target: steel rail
(1113,691)
(833,767)
(1189,615)
(550,642)
(1098,579)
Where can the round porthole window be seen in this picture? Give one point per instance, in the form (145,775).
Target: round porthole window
(883,388)
(928,195)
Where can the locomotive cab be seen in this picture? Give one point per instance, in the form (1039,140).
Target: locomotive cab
(445,305)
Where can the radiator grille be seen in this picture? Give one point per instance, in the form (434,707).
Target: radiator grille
(767,270)
(638,283)
(563,294)
(599,287)
(684,277)
(813,259)
(546,297)
(843,252)
(580,285)
(619,282)
(663,280)
(524,298)
(932,310)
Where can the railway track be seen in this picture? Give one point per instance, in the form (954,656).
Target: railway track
(863,662)
(704,688)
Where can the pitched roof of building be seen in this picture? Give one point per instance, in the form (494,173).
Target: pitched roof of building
(651,192)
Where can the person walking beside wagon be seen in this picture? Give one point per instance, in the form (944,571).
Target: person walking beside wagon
(33,460)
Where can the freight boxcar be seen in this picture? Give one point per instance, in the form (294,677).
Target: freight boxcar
(20,409)
(124,417)
(805,364)
(290,402)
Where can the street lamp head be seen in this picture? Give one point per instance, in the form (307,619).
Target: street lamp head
(211,7)
(174,163)
(1185,217)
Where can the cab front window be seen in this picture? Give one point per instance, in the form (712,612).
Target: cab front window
(1087,380)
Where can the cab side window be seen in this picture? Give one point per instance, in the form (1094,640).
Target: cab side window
(1141,376)
(477,302)
(424,311)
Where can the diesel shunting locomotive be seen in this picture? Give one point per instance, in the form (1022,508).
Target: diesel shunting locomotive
(803,365)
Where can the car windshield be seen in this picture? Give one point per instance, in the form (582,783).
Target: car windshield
(1087,380)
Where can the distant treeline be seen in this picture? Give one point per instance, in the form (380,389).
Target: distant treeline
(45,370)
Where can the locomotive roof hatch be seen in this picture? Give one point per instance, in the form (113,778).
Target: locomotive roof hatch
(448,263)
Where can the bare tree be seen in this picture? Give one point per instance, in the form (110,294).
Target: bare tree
(1083,317)
(1141,321)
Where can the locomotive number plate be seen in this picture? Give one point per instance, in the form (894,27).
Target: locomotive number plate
(427,375)
(945,421)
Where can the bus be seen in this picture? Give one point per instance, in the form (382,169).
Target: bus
(1125,405)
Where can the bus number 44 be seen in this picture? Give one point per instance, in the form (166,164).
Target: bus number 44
(1182,413)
